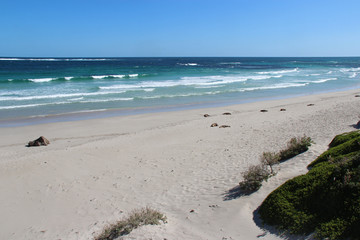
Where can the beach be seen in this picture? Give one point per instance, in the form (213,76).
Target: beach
(94,172)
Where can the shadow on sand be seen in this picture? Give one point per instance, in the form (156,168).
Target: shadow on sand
(235,193)
(272,230)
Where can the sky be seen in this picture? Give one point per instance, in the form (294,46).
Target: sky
(183,28)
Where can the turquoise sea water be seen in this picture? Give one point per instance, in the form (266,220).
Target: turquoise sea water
(30,88)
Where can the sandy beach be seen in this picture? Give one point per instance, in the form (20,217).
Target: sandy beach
(96,171)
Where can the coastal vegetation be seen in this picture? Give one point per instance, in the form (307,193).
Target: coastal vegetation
(326,200)
(295,147)
(137,218)
(256,174)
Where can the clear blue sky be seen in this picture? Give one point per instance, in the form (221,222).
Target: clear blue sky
(119,28)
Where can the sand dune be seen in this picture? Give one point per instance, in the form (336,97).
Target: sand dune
(95,171)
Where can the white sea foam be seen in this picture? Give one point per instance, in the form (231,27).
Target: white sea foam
(66,95)
(179,95)
(21,106)
(28,59)
(86,59)
(68,78)
(106,100)
(324,80)
(148,89)
(230,63)
(206,87)
(119,86)
(118,76)
(275,86)
(41,80)
(31,105)
(190,81)
(9,59)
(353,75)
(115,76)
(100,77)
(280,72)
(350,69)
(188,64)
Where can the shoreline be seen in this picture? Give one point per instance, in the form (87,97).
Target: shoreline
(109,113)
(96,171)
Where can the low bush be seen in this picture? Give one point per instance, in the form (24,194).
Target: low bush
(137,218)
(270,159)
(294,147)
(325,200)
(253,178)
(256,174)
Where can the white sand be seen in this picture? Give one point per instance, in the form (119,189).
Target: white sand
(95,171)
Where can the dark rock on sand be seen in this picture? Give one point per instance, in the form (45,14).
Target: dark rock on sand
(357,126)
(282,110)
(263,110)
(357,95)
(206,115)
(41,141)
(224,126)
(214,125)
(226,113)
(311,104)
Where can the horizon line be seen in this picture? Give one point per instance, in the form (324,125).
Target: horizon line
(184,57)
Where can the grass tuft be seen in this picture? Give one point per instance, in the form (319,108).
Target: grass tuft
(137,218)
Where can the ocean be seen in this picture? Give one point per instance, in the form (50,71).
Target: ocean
(54,89)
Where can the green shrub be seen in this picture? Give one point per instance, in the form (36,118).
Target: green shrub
(294,147)
(137,218)
(333,229)
(339,139)
(253,178)
(350,146)
(325,200)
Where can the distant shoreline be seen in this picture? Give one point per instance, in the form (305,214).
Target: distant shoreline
(107,113)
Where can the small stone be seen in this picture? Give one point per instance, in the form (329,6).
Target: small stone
(263,110)
(214,125)
(282,110)
(226,113)
(310,105)
(357,95)
(192,210)
(206,115)
(224,126)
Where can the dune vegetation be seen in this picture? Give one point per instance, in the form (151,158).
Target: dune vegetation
(256,174)
(137,218)
(326,200)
